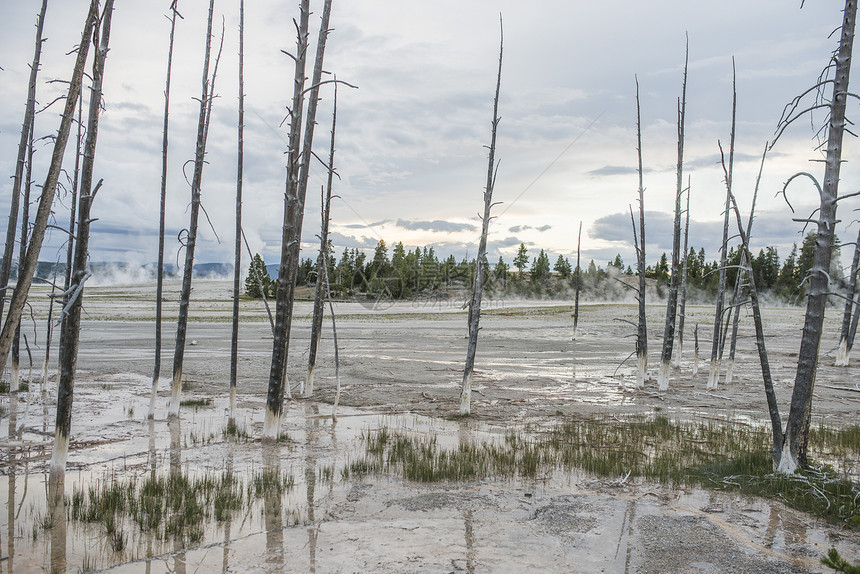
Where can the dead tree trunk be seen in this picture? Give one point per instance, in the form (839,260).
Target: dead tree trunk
(22,253)
(682,306)
(696,350)
(72,325)
(191,236)
(478,286)
(237,252)
(794,452)
(322,263)
(578,279)
(642,328)
(26,127)
(294,201)
(772,407)
(159,272)
(843,354)
(745,271)
(37,233)
(672,300)
(714,371)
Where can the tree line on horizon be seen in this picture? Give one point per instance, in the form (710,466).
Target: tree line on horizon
(408,273)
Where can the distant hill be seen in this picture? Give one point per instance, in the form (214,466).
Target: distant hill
(118,272)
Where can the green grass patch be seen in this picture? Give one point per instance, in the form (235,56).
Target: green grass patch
(724,455)
(196,403)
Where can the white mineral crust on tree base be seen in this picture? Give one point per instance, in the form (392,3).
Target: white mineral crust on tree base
(842,354)
(663,376)
(58,458)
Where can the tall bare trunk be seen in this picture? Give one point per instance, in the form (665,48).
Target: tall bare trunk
(298,160)
(26,127)
(478,286)
(794,453)
(714,371)
(72,326)
(237,253)
(682,306)
(322,262)
(642,327)
(672,299)
(206,98)
(843,353)
(159,272)
(577,280)
(37,233)
(22,253)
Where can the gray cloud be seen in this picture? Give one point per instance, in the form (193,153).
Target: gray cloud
(436,225)
(520,228)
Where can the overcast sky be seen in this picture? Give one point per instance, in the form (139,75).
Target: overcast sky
(411,140)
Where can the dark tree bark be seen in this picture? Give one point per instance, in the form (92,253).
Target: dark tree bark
(206,98)
(26,127)
(682,306)
(578,281)
(37,233)
(237,253)
(294,205)
(322,262)
(159,272)
(794,452)
(672,299)
(478,286)
(642,327)
(72,325)
(714,371)
(22,254)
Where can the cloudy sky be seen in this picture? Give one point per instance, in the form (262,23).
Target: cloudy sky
(411,140)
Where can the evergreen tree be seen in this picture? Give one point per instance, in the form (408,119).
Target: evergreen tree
(562,267)
(258,276)
(522,259)
(540,268)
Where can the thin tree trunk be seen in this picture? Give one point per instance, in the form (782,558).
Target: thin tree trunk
(794,453)
(237,254)
(714,371)
(578,279)
(22,253)
(322,263)
(159,272)
(696,350)
(773,409)
(334,340)
(294,203)
(478,287)
(37,234)
(682,306)
(642,327)
(672,300)
(843,354)
(72,326)
(49,330)
(26,127)
(744,271)
(206,98)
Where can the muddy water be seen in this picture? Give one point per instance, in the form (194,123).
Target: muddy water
(330,523)
(398,364)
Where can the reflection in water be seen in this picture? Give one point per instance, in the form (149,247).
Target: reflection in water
(272,507)
(470,541)
(175,426)
(56,521)
(10,503)
(226,551)
(151,462)
(311,429)
(625,534)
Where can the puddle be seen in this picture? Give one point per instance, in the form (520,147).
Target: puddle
(319,519)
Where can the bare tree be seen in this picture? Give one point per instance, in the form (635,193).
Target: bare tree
(26,127)
(159,272)
(72,325)
(577,287)
(682,306)
(672,299)
(714,371)
(294,203)
(237,253)
(846,340)
(478,286)
(744,277)
(322,262)
(639,243)
(206,98)
(796,437)
(37,233)
(22,253)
